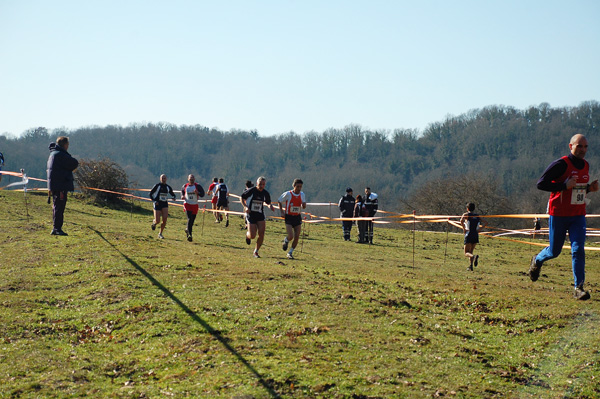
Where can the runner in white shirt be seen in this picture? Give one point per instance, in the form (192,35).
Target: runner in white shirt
(291,204)
(189,194)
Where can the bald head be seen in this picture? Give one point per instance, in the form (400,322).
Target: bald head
(578,146)
(576,138)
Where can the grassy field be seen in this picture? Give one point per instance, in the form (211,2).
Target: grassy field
(112,312)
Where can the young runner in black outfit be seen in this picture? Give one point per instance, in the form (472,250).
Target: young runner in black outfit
(471,224)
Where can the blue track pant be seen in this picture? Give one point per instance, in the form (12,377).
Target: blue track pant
(558,228)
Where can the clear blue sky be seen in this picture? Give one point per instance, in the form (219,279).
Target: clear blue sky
(280,66)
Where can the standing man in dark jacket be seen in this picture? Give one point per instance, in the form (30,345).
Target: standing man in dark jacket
(1,164)
(60,180)
(370,200)
(346,206)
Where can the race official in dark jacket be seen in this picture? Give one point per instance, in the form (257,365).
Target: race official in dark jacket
(1,164)
(346,206)
(371,205)
(60,180)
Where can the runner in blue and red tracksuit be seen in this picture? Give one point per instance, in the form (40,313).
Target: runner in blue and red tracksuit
(568,181)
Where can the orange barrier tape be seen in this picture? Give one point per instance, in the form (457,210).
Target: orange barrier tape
(29,189)
(530,243)
(544,245)
(6,172)
(33,178)
(227,212)
(519,216)
(377,219)
(135,189)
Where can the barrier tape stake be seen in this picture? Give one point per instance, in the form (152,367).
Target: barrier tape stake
(414,232)
(25,194)
(302,235)
(446,250)
(203,214)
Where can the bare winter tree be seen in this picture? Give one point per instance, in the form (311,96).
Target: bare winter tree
(101,174)
(449,196)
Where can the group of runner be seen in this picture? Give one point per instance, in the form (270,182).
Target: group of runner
(253,199)
(567,179)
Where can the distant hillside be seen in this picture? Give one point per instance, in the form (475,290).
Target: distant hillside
(510,146)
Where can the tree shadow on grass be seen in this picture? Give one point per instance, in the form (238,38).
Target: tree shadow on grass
(215,333)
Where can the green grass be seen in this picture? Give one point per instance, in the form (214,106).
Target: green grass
(110,311)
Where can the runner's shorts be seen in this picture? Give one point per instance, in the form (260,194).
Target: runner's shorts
(255,217)
(158,205)
(293,220)
(191,208)
(472,238)
(223,203)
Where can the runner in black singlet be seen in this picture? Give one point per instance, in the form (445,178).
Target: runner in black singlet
(160,194)
(252,200)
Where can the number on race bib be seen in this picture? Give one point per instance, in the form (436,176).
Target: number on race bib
(578,194)
(162,197)
(256,206)
(295,209)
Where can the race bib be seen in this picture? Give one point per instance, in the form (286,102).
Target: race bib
(578,194)
(191,196)
(256,206)
(162,197)
(295,209)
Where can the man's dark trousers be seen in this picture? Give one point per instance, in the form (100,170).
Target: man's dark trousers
(59,202)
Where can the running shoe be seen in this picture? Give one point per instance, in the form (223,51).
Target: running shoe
(256,255)
(290,256)
(534,269)
(153,226)
(189,237)
(285,244)
(248,241)
(580,294)
(58,233)
(476,261)
(160,236)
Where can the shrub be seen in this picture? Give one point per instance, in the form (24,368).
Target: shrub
(101,174)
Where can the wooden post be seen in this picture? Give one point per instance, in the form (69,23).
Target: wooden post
(414,232)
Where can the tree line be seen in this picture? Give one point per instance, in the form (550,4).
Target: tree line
(500,147)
